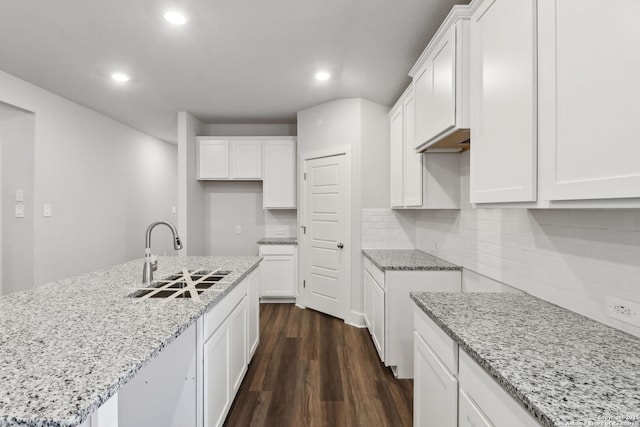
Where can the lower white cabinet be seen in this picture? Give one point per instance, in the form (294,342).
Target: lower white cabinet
(278,271)
(253,312)
(225,360)
(388,310)
(451,389)
(435,398)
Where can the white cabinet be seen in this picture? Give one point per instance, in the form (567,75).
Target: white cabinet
(225,364)
(503,101)
(588,86)
(376,314)
(396,158)
(253,312)
(246,159)
(421,181)
(441,78)
(278,271)
(388,310)
(435,395)
(469,415)
(213,159)
(223,159)
(279,188)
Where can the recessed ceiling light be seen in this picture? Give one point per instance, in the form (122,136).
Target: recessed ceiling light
(174,17)
(322,76)
(120,77)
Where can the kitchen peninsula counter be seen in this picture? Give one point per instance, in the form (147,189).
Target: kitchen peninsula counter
(564,368)
(68,346)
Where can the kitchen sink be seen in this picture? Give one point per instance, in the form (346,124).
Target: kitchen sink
(178,285)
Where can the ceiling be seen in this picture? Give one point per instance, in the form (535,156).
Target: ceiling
(236,61)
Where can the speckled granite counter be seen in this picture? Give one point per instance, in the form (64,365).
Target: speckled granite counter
(278,241)
(563,367)
(406,259)
(67,346)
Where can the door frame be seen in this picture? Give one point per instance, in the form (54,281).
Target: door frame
(303,258)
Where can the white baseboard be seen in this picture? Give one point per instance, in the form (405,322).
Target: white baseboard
(290,300)
(355,319)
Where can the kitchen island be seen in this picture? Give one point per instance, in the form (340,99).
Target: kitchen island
(67,347)
(556,367)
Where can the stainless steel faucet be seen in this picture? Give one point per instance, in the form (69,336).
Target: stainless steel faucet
(150,262)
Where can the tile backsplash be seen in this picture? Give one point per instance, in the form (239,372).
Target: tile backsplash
(573,258)
(280,220)
(388,229)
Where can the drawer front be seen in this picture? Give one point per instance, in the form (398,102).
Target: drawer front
(214,318)
(499,407)
(378,275)
(277,250)
(442,345)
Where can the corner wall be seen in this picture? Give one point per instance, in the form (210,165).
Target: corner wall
(104,180)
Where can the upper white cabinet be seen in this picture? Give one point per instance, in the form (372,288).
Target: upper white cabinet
(441,79)
(270,159)
(246,159)
(396,150)
(588,85)
(421,181)
(222,159)
(503,101)
(279,188)
(213,159)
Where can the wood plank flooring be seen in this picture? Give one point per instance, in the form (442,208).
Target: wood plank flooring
(311,369)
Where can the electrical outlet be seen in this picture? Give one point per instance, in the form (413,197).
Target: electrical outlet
(280,231)
(238,229)
(19,210)
(623,309)
(46,210)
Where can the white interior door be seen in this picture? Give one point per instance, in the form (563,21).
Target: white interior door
(326,235)
(1,205)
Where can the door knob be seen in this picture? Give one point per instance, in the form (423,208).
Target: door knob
(340,245)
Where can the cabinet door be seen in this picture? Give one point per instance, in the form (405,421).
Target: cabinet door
(396,157)
(503,101)
(237,346)
(253,316)
(377,300)
(468,413)
(213,159)
(441,107)
(367,299)
(246,159)
(423,84)
(412,160)
(279,186)
(277,276)
(435,389)
(589,85)
(217,381)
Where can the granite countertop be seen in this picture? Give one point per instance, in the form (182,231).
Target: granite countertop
(68,346)
(278,241)
(564,368)
(406,259)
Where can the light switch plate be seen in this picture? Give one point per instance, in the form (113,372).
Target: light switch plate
(19,196)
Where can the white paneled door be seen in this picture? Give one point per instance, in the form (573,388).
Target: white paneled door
(325,235)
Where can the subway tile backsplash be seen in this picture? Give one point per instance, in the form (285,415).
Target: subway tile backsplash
(388,229)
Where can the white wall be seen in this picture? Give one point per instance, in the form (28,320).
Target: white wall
(573,258)
(361,127)
(17,131)
(192,204)
(248,129)
(104,180)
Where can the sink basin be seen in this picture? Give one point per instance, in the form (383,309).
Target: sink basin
(176,285)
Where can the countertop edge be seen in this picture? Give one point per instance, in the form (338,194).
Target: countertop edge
(405,268)
(486,366)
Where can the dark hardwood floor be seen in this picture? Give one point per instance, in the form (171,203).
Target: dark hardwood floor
(311,369)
